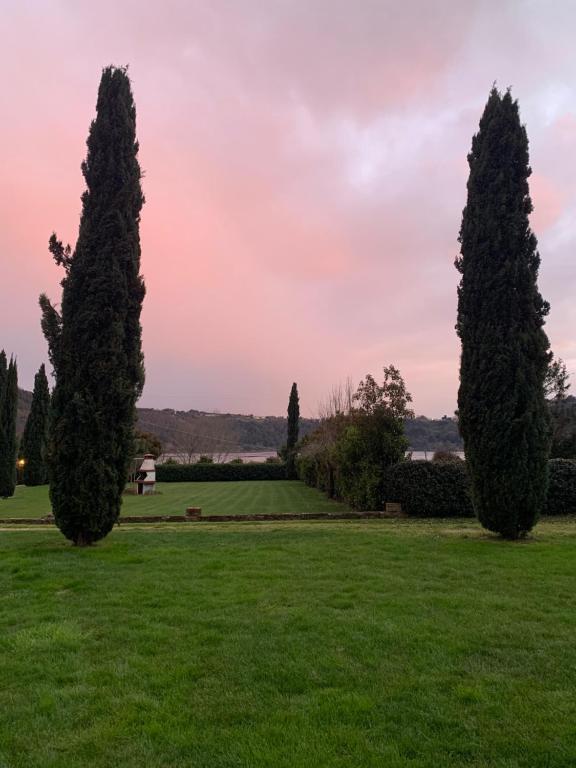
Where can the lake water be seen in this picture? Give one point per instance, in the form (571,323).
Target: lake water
(261,456)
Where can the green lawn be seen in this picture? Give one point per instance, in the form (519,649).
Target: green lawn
(423,644)
(228,498)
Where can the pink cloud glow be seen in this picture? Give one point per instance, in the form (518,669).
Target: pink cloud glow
(305,173)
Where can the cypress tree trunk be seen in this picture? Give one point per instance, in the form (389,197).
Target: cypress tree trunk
(292,437)
(8,411)
(34,440)
(502,411)
(95,345)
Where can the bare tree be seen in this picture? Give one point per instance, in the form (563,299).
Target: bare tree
(340,400)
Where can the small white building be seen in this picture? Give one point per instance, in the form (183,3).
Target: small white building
(146,476)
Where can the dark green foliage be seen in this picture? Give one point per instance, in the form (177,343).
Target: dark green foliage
(292,432)
(561,488)
(95,345)
(33,447)
(563,418)
(369,444)
(3,377)
(146,442)
(502,411)
(429,489)
(186,473)
(307,469)
(8,410)
(349,452)
(317,459)
(391,395)
(3,374)
(205,459)
(445,457)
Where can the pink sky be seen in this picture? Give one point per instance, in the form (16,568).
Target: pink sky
(305,173)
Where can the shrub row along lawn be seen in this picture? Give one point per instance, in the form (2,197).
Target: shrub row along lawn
(225,498)
(381,643)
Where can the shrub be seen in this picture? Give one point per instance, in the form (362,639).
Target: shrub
(445,457)
(187,473)
(367,447)
(204,459)
(306,469)
(428,489)
(316,462)
(561,499)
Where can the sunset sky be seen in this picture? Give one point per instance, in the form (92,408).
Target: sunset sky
(305,174)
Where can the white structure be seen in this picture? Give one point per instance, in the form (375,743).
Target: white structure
(146,476)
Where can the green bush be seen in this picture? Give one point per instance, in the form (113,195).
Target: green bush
(445,457)
(561,499)
(187,473)
(367,447)
(306,469)
(428,489)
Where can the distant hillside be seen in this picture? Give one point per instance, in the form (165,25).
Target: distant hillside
(433,434)
(189,432)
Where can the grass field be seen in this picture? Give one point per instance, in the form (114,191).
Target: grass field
(374,644)
(230,498)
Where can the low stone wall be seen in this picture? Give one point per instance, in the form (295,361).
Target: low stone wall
(194,515)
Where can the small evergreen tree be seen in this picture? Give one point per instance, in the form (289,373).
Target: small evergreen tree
(34,439)
(502,411)
(8,445)
(95,343)
(292,436)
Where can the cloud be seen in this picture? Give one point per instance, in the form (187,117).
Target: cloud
(305,174)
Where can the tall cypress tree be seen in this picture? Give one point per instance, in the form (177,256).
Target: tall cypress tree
(3,375)
(95,343)
(292,436)
(8,412)
(33,447)
(502,410)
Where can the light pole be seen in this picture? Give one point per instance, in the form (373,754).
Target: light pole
(21,463)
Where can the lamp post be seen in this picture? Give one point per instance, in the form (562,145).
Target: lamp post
(21,463)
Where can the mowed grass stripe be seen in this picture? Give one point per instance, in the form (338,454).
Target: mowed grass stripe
(220,498)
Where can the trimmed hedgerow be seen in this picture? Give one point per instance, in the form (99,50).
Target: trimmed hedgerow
(187,473)
(428,489)
(561,498)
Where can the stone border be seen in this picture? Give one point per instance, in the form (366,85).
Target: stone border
(194,515)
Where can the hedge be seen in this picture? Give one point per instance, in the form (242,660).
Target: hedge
(429,489)
(189,473)
(561,487)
